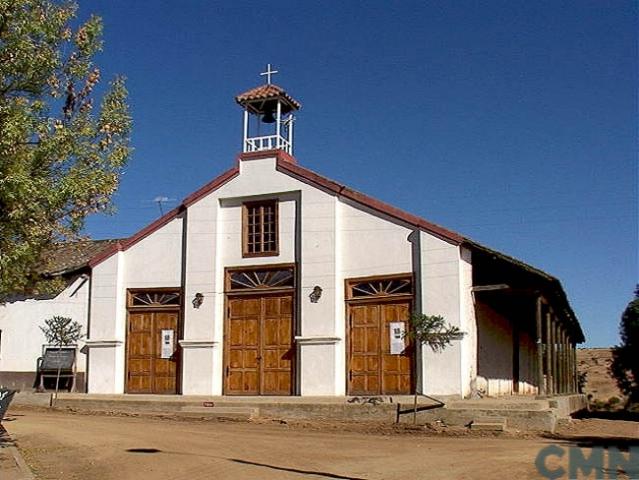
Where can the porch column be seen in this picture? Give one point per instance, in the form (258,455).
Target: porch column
(572,365)
(555,360)
(549,355)
(541,387)
(575,378)
(561,364)
(557,374)
(568,362)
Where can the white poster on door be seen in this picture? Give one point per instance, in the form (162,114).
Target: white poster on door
(167,344)
(397,334)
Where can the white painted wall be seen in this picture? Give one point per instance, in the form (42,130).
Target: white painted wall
(468,325)
(495,354)
(20,322)
(442,295)
(107,326)
(156,261)
(527,364)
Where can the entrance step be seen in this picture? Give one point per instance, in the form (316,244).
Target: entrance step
(489,424)
(499,404)
(236,413)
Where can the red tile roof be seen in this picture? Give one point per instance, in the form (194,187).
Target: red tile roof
(265,92)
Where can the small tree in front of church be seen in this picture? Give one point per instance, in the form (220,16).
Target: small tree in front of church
(434,332)
(61,332)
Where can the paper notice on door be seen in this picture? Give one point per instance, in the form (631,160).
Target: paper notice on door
(397,334)
(167,344)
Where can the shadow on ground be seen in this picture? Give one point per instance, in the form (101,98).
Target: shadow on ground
(609,415)
(295,470)
(590,441)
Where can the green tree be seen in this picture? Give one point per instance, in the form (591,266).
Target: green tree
(434,332)
(61,332)
(625,356)
(60,154)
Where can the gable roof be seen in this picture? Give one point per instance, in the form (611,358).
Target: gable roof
(267,92)
(70,257)
(287,164)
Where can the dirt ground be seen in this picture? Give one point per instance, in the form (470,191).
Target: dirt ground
(61,445)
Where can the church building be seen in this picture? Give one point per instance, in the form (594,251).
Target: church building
(274,280)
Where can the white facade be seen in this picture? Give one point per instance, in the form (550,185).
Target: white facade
(330,238)
(22,341)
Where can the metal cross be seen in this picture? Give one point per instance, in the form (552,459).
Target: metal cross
(268,73)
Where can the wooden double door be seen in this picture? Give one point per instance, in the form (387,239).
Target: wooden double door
(259,348)
(372,368)
(152,352)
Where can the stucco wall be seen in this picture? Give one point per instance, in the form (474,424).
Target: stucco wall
(442,295)
(155,261)
(22,340)
(331,240)
(468,325)
(495,354)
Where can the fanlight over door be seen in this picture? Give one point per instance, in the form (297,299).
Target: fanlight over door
(260,279)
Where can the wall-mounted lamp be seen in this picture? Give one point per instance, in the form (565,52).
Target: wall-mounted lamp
(198,300)
(316,294)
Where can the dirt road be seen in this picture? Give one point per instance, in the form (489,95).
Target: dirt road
(72,446)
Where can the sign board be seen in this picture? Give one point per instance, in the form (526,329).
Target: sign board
(55,358)
(167,343)
(397,332)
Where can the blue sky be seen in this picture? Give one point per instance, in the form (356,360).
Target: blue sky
(513,123)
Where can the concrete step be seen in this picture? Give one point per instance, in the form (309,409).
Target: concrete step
(221,412)
(531,405)
(489,424)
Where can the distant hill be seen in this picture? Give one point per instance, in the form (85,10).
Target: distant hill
(596,363)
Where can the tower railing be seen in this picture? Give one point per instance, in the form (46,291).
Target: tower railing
(267,142)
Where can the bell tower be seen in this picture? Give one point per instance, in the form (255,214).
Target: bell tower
(268,117)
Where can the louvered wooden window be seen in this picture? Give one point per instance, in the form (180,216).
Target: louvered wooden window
(260,229)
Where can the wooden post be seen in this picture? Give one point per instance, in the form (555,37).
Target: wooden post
(566,364)
(549,376)
(560,363)
(555,357)
(541,386)
(574,359)
(571,371)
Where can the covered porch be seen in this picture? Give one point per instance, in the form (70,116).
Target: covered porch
(526,330)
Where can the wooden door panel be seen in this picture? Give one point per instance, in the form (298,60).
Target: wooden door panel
(259,345)
(140,352)
(243,346)
(364,344)
(372,368)
(147,372)
(165,369)
(277,345)
(396,369)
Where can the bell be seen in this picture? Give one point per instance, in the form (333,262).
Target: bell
(268,117)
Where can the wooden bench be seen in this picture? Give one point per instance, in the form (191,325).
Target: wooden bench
(54,359)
